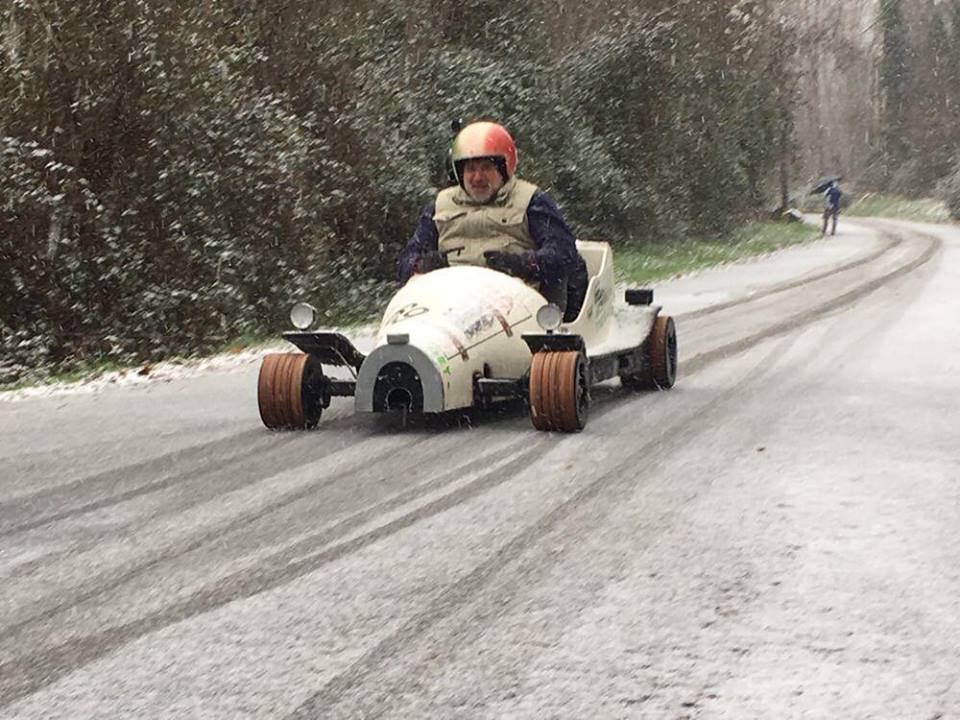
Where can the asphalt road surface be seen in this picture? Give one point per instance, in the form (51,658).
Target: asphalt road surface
(775,537)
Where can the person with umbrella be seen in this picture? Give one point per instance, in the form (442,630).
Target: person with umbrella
(832,194)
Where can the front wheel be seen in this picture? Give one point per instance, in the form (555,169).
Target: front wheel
(559,391)
(287,391)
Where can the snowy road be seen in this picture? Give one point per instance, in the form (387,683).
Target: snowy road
(776,537)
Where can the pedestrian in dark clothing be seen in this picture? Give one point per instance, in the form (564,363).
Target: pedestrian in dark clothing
(493,218)
(832,197)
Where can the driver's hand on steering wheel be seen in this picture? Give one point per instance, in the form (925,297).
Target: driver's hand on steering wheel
(517,264)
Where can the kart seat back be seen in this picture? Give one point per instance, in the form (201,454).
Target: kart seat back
(593,255)
(592,322)
(576,290)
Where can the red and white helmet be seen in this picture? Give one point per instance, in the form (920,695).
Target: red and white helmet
(484,140)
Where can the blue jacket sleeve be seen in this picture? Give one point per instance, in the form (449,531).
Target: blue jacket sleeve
(425,238)
(556,253)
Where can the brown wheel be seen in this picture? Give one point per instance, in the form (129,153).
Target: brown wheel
(662,351)
(658,369)
(287,391)
(559,391)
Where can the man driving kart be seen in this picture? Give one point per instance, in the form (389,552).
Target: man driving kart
(495,219)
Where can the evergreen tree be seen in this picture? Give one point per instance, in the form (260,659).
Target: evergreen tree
(893,83)
(934,136)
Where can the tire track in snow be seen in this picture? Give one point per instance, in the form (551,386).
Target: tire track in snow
(29,673)
(103,583)
(522,560)
(604,489)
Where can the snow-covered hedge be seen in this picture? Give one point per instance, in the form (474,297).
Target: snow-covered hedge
(174,175)
(949,192)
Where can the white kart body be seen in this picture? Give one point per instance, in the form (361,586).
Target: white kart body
(458,324)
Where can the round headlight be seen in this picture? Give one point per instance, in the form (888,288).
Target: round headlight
(549,317)
(302,315)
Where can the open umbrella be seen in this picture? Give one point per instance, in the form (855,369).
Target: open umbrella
(824,182)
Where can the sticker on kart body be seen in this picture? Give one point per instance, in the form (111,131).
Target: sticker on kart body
(471,324)
(410,310)
(444,364)
(465,327)
(482,323)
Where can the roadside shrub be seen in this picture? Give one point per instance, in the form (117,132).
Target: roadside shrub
(175,175)
(949,191)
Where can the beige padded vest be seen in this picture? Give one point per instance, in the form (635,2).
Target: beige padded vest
(475,227)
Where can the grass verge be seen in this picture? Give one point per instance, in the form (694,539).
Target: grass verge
(83,371)
(893,206)
(663,260)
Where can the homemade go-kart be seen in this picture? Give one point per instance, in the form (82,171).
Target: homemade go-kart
(468,336)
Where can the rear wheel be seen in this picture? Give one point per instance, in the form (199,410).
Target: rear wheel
(559,391)
(288,391)
(659,367)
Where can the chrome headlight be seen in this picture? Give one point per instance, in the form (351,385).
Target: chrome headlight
(549,317)
(302,315)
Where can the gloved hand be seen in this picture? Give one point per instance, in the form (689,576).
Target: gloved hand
(429,261)
(519,265)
